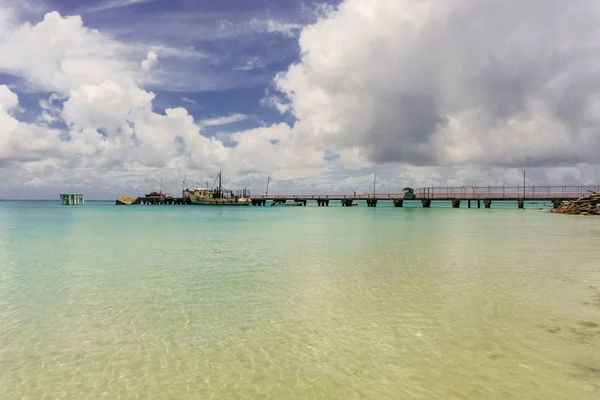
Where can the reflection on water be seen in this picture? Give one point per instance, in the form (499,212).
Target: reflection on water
(312,303)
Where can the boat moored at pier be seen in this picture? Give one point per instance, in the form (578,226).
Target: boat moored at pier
(218,196)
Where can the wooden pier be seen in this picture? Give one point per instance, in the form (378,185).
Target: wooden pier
(471,196)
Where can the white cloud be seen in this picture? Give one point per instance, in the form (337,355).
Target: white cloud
(150,60)
(21,142)
(188,100)
(59,54)
(253,63)
(178,52)
(218,121)
(110,118)
(8,99)
(442,82)
(111,125)
(51,112)
(112,4)
(437,91)
(272,26)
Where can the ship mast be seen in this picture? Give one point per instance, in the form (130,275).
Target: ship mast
(220,186)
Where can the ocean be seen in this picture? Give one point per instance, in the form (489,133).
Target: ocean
(192,302)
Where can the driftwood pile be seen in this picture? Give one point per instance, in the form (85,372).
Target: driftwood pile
(587,205)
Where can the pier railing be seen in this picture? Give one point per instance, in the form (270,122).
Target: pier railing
(505,192)
(460,193)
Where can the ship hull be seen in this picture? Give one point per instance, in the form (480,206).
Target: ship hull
(218,202)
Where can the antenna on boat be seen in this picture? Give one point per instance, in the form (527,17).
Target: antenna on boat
(268,180)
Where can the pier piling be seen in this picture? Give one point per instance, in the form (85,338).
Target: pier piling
(557,203)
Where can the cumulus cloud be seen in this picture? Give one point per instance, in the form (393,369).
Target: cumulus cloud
(22,142)
(150,60)
(109,122)
(59,54)
(437,91)
(494,82)
(8,99)
(109,117)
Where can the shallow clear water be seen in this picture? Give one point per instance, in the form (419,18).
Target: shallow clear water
(184,302)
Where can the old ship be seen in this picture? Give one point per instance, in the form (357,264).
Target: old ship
(219,196)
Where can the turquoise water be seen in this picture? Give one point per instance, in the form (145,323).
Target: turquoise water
(185,302)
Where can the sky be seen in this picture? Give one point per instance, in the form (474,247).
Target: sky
(108,97)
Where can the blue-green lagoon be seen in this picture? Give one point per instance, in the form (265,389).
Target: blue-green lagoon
(192,302)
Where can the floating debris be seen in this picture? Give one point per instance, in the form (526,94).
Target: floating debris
(586,205)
